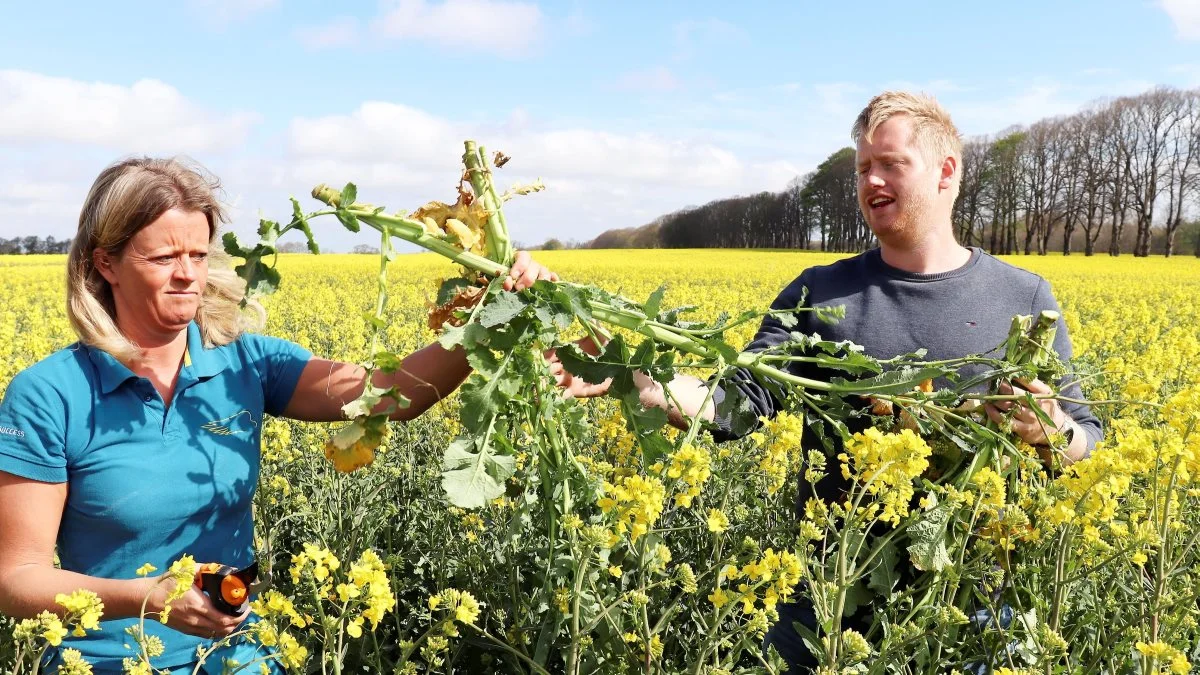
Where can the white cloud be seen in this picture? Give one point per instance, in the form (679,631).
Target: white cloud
(377,130)
(417,142)
(148,116)
(1027,102)
(841,99)
(1189,74)
(657,79)
(703,32)
(499,26)
(337,32)
(48,205)
(1186,16)
(402,156)
(223,12)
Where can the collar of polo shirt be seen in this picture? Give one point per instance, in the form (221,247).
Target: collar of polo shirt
(202,363)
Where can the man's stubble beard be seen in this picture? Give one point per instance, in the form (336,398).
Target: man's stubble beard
(908,228)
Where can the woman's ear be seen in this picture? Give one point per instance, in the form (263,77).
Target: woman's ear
(103,262)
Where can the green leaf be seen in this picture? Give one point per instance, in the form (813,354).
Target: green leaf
(856,596)
(375,322)
(260,279)
(612,362)
(388,362)
(349,195)
(450,288)
(654,447)
(884,576)
(735,407)
(643,420)
(571,300)
(233,247)
(654,302)
(855,363)
(451,337)
(268,233)
(726,350)
(928,537)
(348,219)
(830,315)
(501,309)
(473,474)
(484,395)
(302,223)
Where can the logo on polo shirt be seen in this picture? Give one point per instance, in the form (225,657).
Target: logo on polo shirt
(237,423)
(9,431)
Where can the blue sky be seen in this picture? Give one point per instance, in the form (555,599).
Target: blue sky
(627,110)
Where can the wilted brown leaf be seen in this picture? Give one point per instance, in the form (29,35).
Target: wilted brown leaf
(467,298)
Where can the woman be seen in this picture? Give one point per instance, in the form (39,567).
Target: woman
(140,443)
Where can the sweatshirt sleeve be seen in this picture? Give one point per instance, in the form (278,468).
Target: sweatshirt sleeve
(771,332)
(1068,385)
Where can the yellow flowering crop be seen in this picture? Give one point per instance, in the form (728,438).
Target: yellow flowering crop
(1135,326)
(84,607)
(887,464)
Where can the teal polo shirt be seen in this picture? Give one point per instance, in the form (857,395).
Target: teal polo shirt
(148,482)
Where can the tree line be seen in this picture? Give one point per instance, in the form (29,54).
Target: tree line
(32,245)
(1120,176)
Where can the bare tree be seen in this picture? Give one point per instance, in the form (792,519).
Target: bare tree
(1044,180)
(969,207)
(1121,144)
(1182,164)
(1005,193)
(1155,115)
(1094,166)
(1073,137)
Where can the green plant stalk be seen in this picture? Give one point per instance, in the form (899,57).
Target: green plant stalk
(499,245)
(337,666)
(411,231)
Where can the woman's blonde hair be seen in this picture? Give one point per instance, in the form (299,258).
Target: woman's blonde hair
(126,197)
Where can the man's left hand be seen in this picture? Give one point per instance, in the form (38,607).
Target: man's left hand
(1026,423)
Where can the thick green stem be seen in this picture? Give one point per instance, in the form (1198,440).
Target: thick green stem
(499,245)
(682,343)
(411,231)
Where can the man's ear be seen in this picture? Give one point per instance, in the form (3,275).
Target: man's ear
(949,168)
(103,262)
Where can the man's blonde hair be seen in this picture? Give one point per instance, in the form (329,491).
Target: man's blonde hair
(126,197)
(934,131)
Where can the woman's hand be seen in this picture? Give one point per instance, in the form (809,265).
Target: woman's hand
(194,613)
(525,271)
(572,386)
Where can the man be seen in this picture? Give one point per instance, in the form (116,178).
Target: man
(919,289)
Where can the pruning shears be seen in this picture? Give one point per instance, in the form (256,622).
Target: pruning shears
(230,588)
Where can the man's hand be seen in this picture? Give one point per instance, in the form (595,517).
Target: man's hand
(525,271)
(1027,425)
(573,386)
